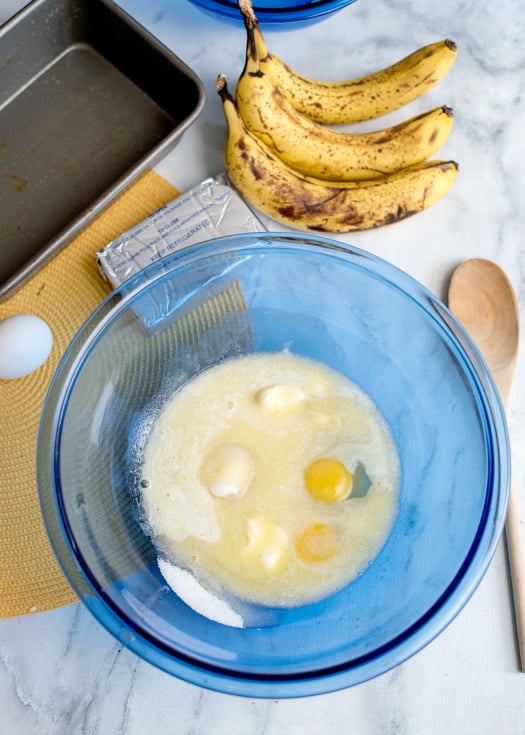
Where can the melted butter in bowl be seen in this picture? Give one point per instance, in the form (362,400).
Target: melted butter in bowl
(248,475)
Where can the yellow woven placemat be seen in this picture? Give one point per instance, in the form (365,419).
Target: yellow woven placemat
(63,293)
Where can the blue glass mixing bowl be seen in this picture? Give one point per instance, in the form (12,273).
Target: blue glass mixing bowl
(337,304)
(290,13)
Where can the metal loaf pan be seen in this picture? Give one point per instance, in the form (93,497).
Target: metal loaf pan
(88,100)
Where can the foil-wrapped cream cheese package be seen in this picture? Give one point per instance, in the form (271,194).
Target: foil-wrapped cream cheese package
(211,209)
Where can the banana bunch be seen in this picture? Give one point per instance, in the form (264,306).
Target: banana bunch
(311,204)
(284,159)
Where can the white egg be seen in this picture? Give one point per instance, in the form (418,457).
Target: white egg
(25,344)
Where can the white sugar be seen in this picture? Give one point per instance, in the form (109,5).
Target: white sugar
(185,586)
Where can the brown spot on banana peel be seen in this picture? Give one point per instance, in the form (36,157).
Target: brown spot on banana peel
(418,56)
(392,132)
(352,104)
(348,217)
(334,211)
(245,155)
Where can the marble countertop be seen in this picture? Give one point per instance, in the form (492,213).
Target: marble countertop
(61,672)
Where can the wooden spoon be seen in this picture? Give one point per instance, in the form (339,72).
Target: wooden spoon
(482,298)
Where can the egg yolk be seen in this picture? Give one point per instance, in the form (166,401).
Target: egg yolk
(317,543)
(328,480)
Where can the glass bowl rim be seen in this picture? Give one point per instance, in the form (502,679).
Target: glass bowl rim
(306,11)
(438,615)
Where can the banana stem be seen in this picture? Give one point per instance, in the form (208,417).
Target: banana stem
(252,61)
(245,6)
(221,86)
(256,45)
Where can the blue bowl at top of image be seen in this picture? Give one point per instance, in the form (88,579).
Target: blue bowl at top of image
(318,299)
(289,13)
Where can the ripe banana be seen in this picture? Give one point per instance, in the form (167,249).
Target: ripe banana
(355,100)
(316,150)
(310,204)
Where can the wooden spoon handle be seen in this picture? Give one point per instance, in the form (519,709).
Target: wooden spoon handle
(516,554)
(514,529)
